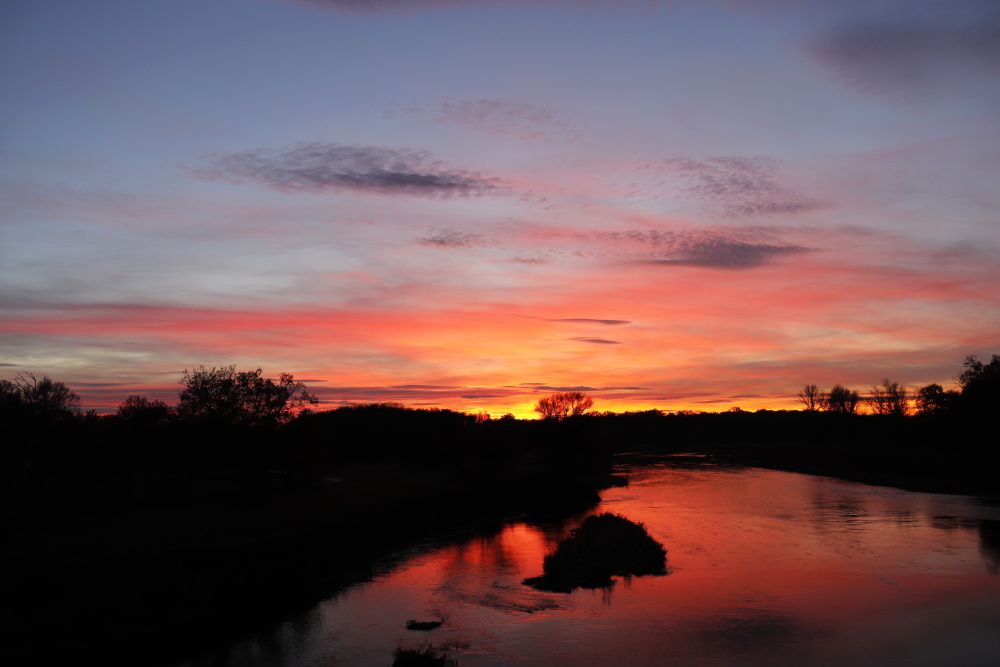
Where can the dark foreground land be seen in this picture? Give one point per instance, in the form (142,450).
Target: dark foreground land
(111,563)
(121,538)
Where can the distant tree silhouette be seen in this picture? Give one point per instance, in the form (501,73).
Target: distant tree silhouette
(889,398)
(564,404)
(980,384)
(43,399)
(934,400)
(841,400)
(141,410)
(225,395)
(810,397)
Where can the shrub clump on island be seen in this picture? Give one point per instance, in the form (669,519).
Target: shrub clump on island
(425,656)
(606,545)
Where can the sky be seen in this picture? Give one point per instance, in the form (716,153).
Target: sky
(469,205)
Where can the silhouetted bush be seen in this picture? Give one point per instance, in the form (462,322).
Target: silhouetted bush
(425,656)
(606,545)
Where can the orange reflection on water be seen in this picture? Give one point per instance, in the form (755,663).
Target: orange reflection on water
(765,568)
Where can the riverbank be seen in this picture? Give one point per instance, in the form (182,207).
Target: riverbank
(913,469)
(116,582)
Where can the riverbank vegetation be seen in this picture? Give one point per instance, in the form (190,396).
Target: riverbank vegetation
(243,500)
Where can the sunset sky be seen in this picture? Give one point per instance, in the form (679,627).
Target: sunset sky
(675,205)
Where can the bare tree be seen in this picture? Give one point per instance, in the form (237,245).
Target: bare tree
(889,398)
(564,404)
(811,397)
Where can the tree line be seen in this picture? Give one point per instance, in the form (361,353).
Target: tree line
(978,389)
(239,425)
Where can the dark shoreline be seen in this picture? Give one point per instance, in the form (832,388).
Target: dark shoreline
(180,579)
(922,470)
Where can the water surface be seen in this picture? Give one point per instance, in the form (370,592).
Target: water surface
(764,568)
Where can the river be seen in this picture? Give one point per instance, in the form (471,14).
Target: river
(764,568)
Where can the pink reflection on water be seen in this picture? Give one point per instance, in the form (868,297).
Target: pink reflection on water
(765,568)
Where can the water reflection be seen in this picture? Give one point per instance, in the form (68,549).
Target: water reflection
(989,543)
(768,568)
(293,642)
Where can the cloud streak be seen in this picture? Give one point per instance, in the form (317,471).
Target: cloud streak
(586,320)
(449,238)
(721,253)
(499,117)
(319,167)
(737,186)
(715,248)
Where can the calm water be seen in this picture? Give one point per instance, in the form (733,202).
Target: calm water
(765,568)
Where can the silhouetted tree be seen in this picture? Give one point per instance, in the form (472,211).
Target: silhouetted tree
(980,384)
(934,400)
(228,396)
(889,398)
(44,399)
(564,404)
(141,410)
(841,400)
(810,397)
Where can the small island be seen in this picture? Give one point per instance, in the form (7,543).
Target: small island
(605,546)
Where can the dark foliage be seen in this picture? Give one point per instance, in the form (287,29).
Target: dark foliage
(933,400)
(227,396)
(44,400)
(422,625)
(605,546)
(841,400)
(424,656)
(980,384)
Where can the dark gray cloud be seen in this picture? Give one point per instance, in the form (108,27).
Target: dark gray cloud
(738,187)
(914,46)
(682,396)
(601,341)
(449,238)
(318,167)
(578,320)
(587,320)
(718,249)
(545,387)
(725,254)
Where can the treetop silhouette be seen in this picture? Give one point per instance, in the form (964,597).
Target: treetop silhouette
(225,395)
(564,404)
